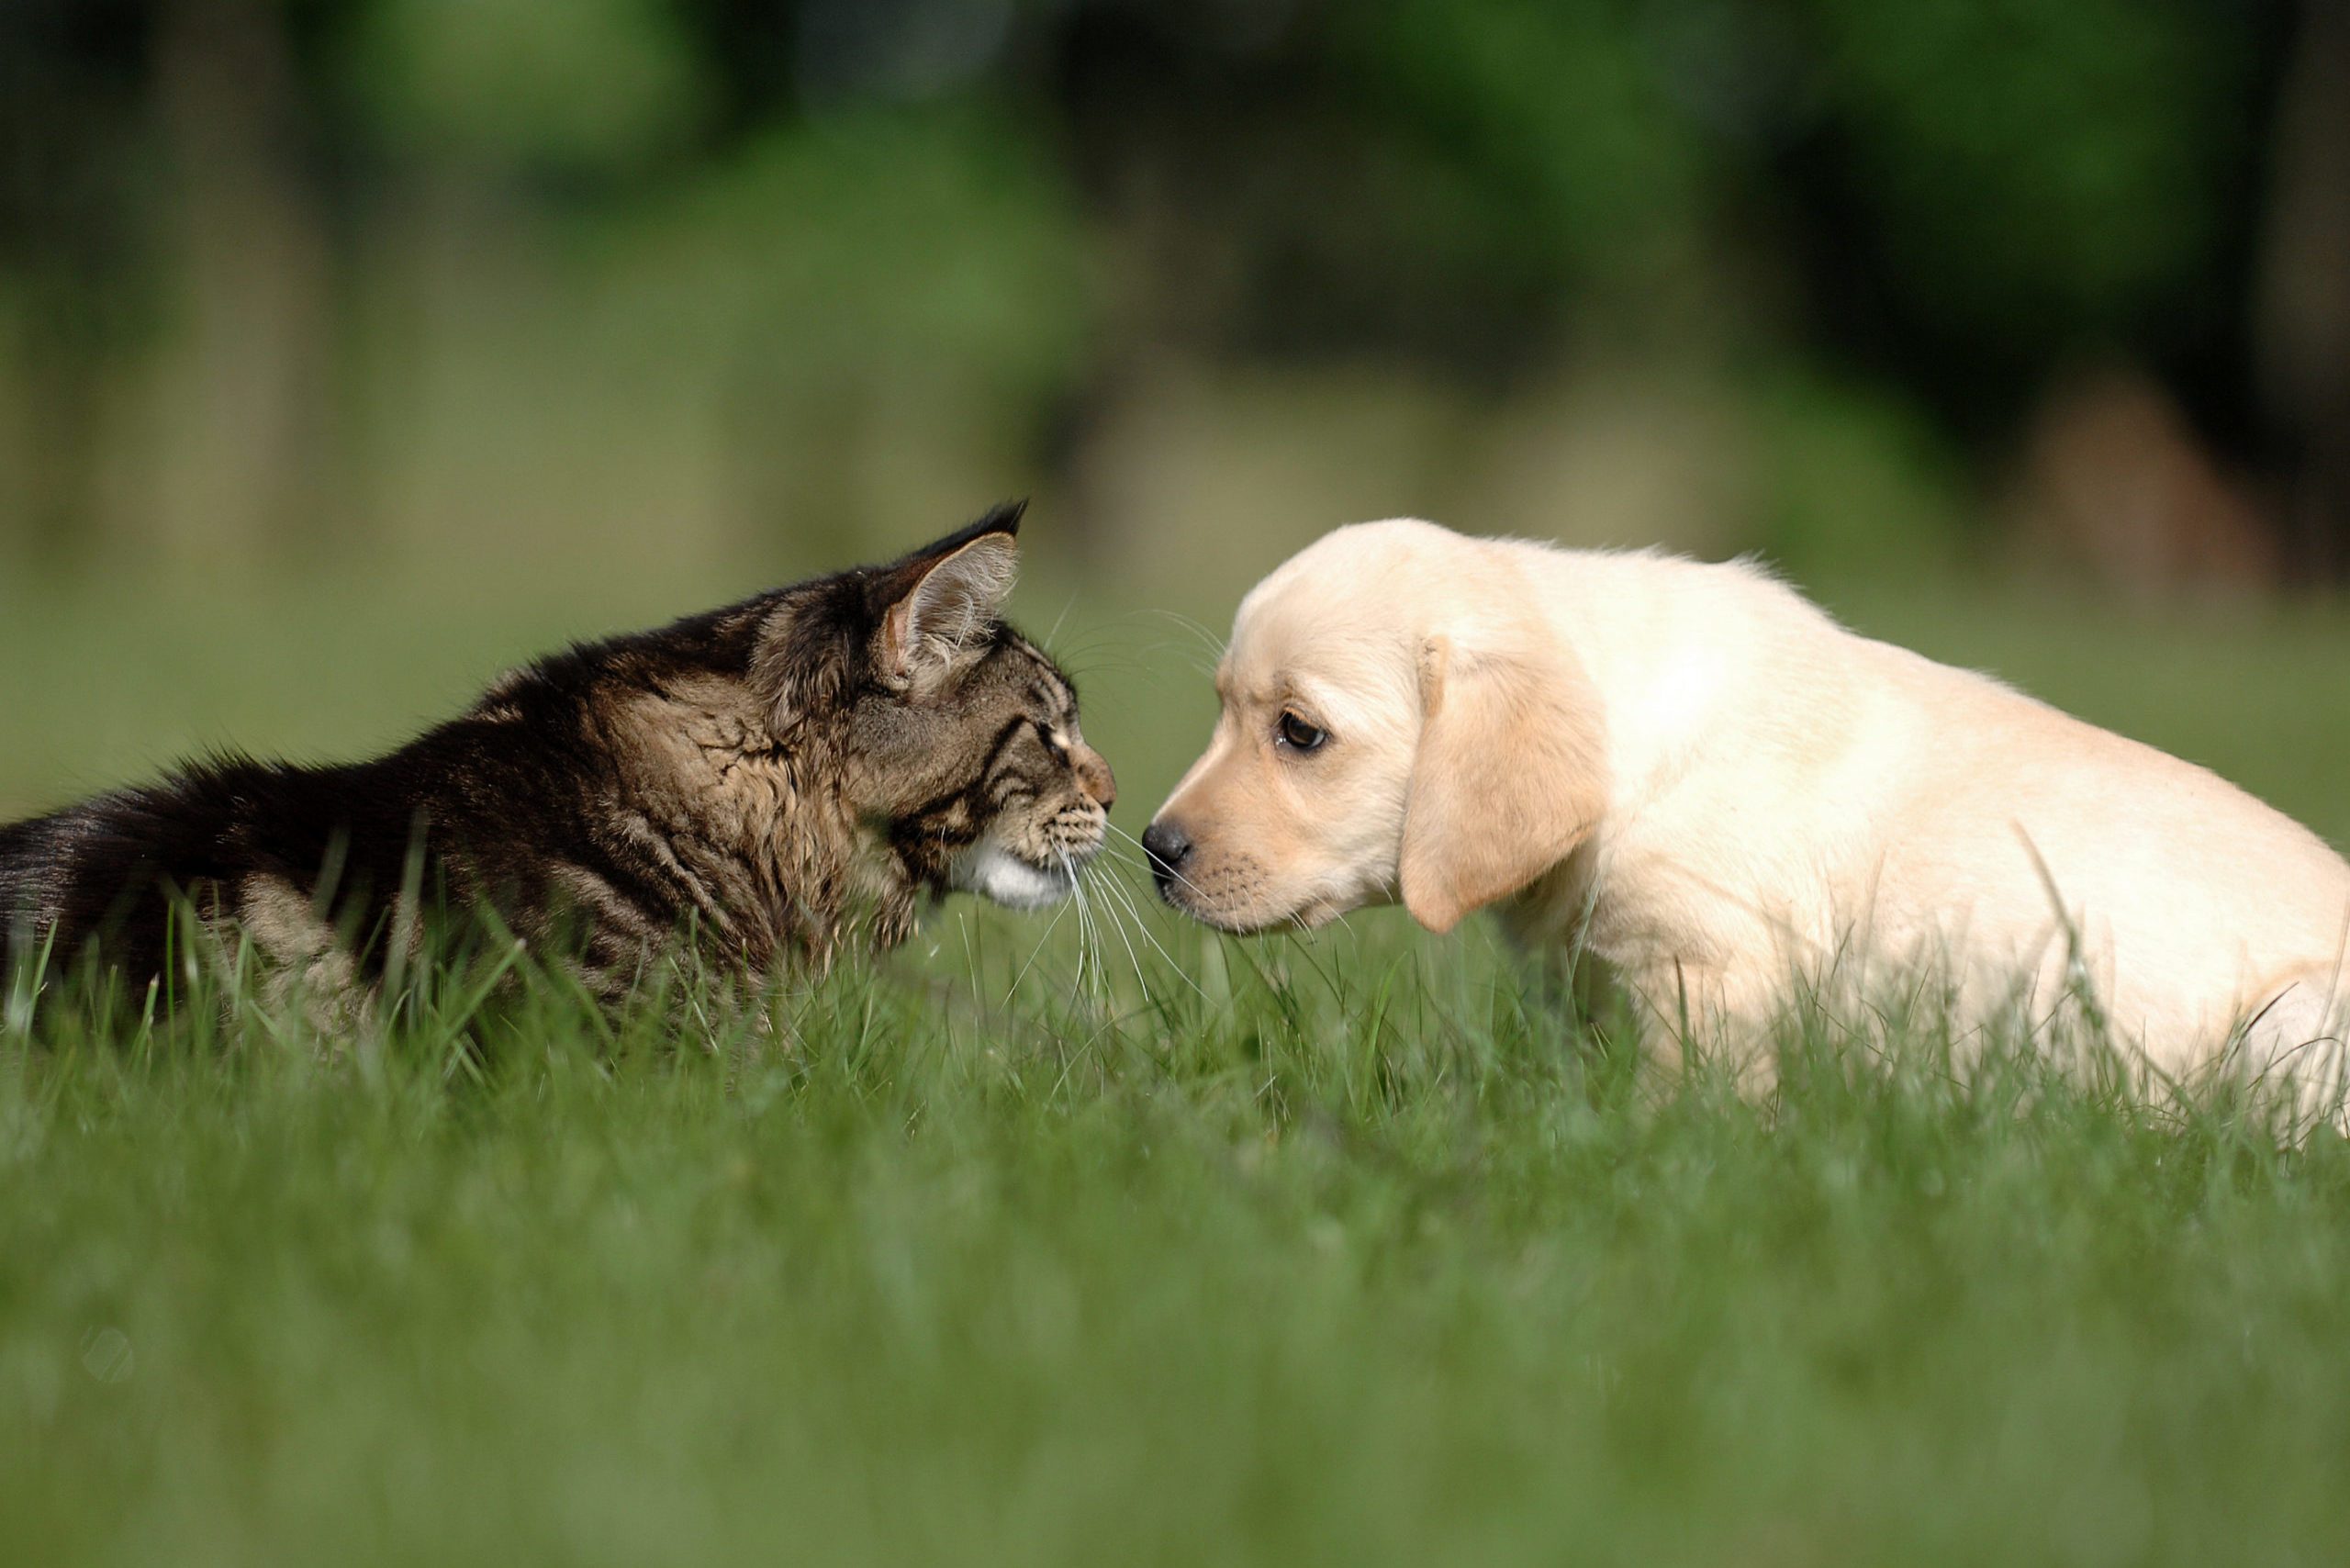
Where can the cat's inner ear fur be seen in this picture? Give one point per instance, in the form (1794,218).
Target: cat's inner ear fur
(949,606)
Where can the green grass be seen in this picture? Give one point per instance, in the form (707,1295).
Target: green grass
(1352,1253)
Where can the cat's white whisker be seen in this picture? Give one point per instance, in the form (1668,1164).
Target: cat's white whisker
(1142,926)
(1055,925)
(1131,957)
(1067,605)
(1085,935)
(1213,644)
(1102,979)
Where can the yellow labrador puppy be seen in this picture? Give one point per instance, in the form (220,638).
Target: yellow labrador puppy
(1692,774)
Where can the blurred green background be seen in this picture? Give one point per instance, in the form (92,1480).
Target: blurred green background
(351,348)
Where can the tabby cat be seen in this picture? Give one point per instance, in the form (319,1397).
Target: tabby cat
(782,776)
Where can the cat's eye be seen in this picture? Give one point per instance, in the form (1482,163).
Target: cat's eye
(1299,736)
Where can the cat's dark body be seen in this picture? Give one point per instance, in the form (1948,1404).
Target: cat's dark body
(768,774)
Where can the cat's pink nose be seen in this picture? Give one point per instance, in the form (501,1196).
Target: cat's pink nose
(1093,776)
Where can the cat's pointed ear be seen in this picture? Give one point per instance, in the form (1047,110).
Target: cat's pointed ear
(944,598)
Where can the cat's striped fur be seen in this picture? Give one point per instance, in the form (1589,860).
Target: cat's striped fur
(777,776)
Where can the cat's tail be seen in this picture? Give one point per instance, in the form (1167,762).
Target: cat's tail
(20,901)
(109,869)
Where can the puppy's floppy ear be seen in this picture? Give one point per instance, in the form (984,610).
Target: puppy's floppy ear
(1510,777)
(936,603)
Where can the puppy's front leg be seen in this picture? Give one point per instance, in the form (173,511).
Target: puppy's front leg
(1690,1013)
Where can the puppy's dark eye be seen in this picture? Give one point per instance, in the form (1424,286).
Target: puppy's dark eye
(1299,736)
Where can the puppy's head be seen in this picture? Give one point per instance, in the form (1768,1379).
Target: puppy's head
(1398,721)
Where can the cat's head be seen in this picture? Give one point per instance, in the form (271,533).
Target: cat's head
(955,737)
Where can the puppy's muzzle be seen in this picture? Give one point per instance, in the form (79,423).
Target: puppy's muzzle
(1167,846)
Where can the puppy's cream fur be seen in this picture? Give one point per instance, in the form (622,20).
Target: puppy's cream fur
(1691,774)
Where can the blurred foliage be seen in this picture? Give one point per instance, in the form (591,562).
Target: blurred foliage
(583,88)
(1012,217)
(1838,461)
(1560,114)
(897,244)
(2019,176)
(2042,169)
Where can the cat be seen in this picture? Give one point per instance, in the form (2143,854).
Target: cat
(800,770)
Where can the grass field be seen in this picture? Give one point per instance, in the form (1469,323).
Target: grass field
(1340,1250)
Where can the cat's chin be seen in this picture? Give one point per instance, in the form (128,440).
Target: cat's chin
(994,872)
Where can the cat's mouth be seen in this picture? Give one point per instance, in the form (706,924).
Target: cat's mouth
(995,871)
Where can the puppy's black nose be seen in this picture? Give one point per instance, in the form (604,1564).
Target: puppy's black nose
(1167,846)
